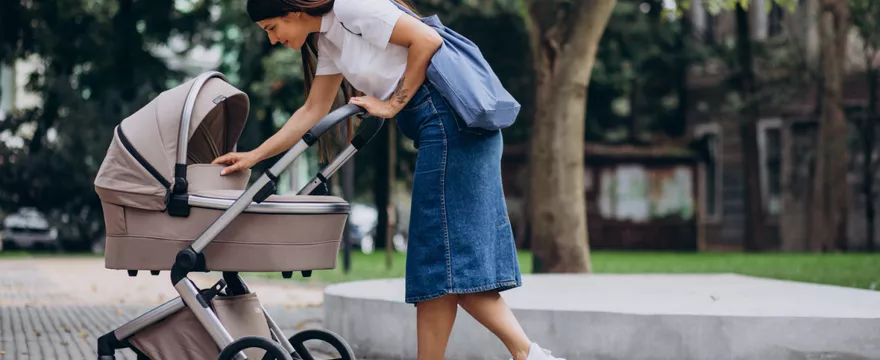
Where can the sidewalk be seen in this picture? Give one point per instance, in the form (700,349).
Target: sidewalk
(56,308)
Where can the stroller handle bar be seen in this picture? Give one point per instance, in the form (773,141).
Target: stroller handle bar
(329,121)
(367,132)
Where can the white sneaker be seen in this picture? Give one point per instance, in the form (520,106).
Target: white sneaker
(537,353)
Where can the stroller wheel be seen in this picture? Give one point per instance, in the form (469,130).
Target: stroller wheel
(339,345)
(273,350)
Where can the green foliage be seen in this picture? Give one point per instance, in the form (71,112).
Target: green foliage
(96,65)
(716,6)
(865,15)
(270,75)
(637,74)
(851,270)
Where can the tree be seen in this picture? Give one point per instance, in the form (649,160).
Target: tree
(866,19)
(747,85)
(830,194)
(97,68)
(641,56)
(825,224)
(565,37)
(830,190)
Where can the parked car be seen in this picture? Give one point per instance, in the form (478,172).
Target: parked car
(28,229)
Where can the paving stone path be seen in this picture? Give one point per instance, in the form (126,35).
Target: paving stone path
(56,308)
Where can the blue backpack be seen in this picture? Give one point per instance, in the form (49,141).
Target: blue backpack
(466,80)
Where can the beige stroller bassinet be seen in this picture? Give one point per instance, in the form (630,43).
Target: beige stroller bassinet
(167,208)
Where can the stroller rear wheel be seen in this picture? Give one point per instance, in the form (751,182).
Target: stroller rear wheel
(273,350)
(341,347)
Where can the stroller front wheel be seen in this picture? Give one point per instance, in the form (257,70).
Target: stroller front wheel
(329,337)
(273,350)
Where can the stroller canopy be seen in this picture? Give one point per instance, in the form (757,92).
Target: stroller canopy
(139,167)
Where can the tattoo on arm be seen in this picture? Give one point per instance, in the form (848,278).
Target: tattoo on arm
(400,93)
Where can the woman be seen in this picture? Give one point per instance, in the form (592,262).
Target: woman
(461,249)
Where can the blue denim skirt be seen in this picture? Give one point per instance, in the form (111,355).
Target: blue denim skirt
(460,238)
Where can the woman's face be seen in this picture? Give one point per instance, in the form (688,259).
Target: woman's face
(290,30)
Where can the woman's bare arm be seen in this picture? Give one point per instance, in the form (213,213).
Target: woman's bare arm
(422,42)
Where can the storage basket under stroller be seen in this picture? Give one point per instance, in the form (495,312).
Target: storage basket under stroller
(181,336)
(166,207)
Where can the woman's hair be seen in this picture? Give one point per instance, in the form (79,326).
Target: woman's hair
(259,10)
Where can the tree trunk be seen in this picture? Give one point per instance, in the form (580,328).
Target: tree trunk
(130,40)
(758,19)
(389,185)
(756,237)
(7,86)
(57,80)
(380,186)
(870,143)
(681,84)
(565,37)
(632,126)
(347,174)
(830,193)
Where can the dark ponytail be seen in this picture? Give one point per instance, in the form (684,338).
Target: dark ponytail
(259,10)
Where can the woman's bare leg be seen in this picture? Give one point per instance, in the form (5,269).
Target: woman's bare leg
(434,320)
(490,310)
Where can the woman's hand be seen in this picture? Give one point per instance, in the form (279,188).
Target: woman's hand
(237,161)
(376,107)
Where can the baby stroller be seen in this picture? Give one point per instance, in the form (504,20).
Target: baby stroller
(167,208)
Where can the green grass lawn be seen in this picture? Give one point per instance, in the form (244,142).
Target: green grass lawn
(26,254)
(366,267)
(857,270)
(852,270)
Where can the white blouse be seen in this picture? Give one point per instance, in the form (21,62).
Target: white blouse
(354,41)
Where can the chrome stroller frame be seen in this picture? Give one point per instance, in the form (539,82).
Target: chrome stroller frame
(191,259)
